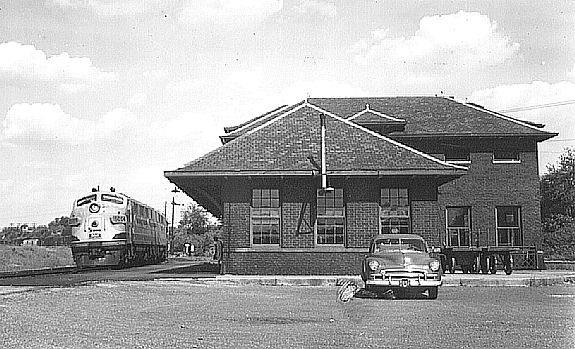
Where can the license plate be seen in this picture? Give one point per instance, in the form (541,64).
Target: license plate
(404,283)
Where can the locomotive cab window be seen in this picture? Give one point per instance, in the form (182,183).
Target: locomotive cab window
(86,200)
(113,199)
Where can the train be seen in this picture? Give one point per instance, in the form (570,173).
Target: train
(110,229)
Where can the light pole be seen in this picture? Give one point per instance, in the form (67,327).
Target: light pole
(175,190)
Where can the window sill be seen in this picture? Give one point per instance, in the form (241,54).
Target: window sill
(506,161)
(459,162)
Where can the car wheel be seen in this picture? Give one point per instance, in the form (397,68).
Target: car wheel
(432,292)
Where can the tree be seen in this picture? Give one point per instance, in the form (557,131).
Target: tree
(558,207)
(60,226)
(197,227)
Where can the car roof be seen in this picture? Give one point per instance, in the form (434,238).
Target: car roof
(397,236)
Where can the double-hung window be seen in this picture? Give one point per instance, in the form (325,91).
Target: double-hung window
(330,223)
(394,211)
(509,231)
(265,217)
(458,226)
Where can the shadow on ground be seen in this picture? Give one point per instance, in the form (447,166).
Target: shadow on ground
(210,268)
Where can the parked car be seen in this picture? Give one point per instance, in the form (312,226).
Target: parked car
(399,265)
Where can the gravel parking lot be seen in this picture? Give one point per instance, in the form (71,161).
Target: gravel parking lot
(186,314)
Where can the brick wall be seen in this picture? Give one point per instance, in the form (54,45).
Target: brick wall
(488,185)
(295,263)
(297,253)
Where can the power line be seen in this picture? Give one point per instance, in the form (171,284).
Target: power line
(539,106)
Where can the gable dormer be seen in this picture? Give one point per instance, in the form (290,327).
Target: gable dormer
(378,122)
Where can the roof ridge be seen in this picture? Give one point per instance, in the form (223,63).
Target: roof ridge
(232,129)
(375,112)
(377,135)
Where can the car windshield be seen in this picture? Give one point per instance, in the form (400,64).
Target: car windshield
(397,244)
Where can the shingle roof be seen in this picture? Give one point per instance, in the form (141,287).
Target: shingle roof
(285,142)
(435,116)
(426,116)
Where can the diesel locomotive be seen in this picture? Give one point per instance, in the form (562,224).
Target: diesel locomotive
(112,229)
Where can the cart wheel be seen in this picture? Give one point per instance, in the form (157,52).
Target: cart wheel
(492,265)
(507,264)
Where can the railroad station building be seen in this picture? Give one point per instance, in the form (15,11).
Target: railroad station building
(303,188)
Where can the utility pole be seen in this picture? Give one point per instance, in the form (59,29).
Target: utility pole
(175,190)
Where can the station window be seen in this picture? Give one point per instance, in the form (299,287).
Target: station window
(458,226)
(506,157)
(330,222)
(265,217)
(394,211)
(509,232)
(457,155)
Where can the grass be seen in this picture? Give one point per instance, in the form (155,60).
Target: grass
(14,258)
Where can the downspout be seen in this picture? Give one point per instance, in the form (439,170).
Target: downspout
(323,162)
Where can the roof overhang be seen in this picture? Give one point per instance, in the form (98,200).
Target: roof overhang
(537,137)
(205,187)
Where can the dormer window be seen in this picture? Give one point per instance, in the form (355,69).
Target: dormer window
(506,157)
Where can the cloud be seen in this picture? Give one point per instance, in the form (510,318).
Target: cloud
(138,100)
(25,62)
(443,43)
(556,118)
(571,74)
(229,13)
(316,7)
(112,8)
(42,123)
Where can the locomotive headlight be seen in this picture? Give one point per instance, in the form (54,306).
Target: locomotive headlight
(434,265)
(94,208)
(373,264)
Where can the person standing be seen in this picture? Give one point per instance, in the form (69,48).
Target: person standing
(218,252)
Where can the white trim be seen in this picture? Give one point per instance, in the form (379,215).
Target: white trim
(375,134)
(506,161)
(459,162)
(277,118)
(281,109)
(368,110)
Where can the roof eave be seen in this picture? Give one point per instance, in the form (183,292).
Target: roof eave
(298,173)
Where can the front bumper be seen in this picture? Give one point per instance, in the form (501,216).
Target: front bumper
(404,279)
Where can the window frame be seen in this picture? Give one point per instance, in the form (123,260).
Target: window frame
(408,206)
(448,233)
(511,231)
(335,217)
(510,160)
(273,216)
(457,160)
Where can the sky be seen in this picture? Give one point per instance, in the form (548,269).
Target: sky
(113,93)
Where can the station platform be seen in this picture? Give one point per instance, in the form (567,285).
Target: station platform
(521,278)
